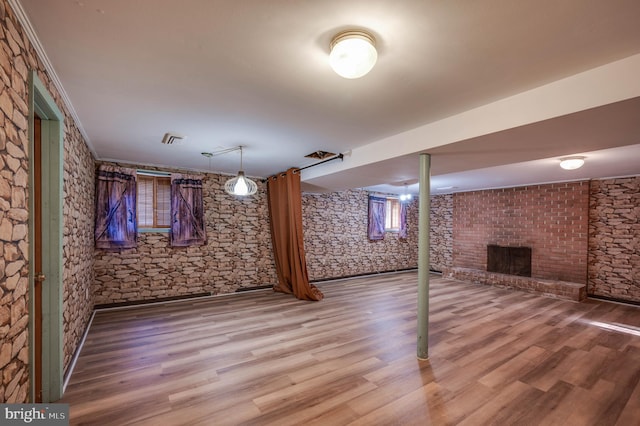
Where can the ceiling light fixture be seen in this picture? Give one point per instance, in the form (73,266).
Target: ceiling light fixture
(406,196)
(571,163)
(240,185)
(353,54)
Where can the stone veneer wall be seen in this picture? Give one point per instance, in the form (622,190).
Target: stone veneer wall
(551,219)
(17,57)
(336,242)
(78,244)
(441,244)
(614,238)
(237,254)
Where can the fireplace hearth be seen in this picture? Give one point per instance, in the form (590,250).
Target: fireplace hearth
(509,260)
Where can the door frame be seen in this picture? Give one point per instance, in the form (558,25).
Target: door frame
(52,140)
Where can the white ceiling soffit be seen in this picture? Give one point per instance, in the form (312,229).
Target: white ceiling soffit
(256,73)
(593,110)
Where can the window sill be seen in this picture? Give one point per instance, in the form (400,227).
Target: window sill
(151,230)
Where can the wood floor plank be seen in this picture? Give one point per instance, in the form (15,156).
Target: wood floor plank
(497,356)
(513,369)
(303,392)
(506,403)
(592,405)
(283,415)
(631,411)
(412,408)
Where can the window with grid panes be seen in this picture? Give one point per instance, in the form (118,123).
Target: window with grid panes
(392,215)
(154,201)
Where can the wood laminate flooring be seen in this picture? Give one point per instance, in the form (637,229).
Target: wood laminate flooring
(497,356)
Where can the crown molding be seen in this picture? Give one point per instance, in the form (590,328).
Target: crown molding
(23,19)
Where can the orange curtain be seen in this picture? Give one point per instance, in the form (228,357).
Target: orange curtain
(285,213)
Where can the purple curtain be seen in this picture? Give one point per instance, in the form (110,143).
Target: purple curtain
(116,224)
(402,232)
(377,208)
(187,212)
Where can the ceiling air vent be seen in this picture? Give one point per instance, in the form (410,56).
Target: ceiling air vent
(320,155)
(173,139)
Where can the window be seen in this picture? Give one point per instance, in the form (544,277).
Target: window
(392,215)
(154,201)
(386,215)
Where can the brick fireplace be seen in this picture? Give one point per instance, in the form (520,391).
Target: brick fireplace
(551,220)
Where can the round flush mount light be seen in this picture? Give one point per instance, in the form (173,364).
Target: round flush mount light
(571,163)
(353,54)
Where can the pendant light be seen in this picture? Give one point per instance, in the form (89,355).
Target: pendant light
(240,185)
(406,197)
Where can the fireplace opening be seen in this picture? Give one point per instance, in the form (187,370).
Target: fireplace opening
(509,260)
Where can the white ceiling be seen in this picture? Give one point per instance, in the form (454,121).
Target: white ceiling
(256,73)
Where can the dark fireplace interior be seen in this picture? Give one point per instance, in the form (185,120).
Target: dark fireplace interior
(509,260)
